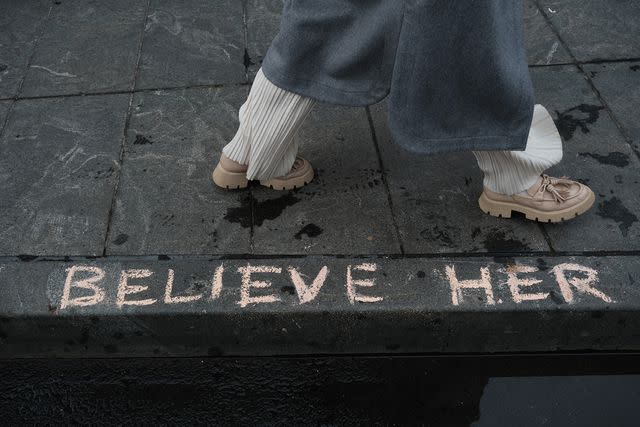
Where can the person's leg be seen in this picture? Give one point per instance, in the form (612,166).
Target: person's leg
(514,180)
(265,145)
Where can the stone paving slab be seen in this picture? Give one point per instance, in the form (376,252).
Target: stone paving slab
(317,305)
(166,202)
(543,46)
(345,210)
(58,159)
(435,201)
(194,42)
(87,46)
(596,29)
(20,24)
(596,153)
(619,85)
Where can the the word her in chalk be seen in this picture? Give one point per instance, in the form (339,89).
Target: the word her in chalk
(93,277)
(518,284)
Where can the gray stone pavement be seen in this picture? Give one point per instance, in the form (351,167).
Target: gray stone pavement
(113,114)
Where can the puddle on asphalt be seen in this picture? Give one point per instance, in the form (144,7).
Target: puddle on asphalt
(601,400)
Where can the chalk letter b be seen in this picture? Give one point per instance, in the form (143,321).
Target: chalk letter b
(88,283)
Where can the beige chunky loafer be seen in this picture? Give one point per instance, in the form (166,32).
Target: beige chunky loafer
(300,175)
(228,174)
(548,200)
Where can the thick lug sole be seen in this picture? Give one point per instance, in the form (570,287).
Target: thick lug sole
(289,184)
(229,180)
(504,209)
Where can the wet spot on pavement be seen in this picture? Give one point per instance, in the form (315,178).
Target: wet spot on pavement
(120,239)
(615,158)
(497,241)
(310,230)
(615,210)
(142,140)
(578,117)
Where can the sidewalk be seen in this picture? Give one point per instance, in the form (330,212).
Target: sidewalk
(113,239)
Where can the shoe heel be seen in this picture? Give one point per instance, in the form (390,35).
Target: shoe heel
(229,180)
(493,208)
(279,185)
(290,183)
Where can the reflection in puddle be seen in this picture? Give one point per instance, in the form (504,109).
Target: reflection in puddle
(601,400)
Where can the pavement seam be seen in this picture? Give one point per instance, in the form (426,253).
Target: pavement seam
(587,77)
(374,137)
(610,112)
(128,91)
(252,200)
(167,259)
(546,236)
(555,64)
(124,133)
(589,62)
(252,203)
(245,33)
(136,70)
(498,355)
(608,61)
(249,82)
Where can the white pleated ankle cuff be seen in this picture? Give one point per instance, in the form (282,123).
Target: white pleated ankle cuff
(510,172)
(269,121)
